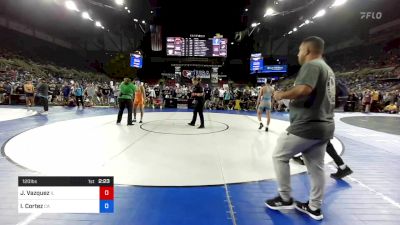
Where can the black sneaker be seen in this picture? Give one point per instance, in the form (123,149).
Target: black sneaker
(130,124)
(191,124)
(201,127)
(341,173)
(298,160)
(277,203)
(134,120)
(304,208)
(266,129)
(261,126)
(140,122)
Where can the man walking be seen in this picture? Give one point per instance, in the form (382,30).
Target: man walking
(264,103)
(43,93)
(311,127)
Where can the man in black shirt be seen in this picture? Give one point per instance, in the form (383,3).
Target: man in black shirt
(207,92)
(198,96)
(20,89)
(106,92)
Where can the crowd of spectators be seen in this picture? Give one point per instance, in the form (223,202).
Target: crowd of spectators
(16,70)
(227,97)
(370,87)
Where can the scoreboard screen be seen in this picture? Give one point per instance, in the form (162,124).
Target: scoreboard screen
(256,62)
(271,69)
(197,46)
(65,194)
(136,61)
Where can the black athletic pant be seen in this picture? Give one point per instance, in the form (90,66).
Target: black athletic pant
(45,103)
(77,100)
(198,109)
(125,103)
(332,153)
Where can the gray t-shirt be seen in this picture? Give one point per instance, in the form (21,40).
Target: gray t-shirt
(42,90)
(311,117)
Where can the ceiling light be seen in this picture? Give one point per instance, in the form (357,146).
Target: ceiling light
(136,20)
(98,24)
(85,15)
(307,22)
(143,21)
(320,13)
(295,29)
(71,6)
(119,2)
(339,3)
(269,12)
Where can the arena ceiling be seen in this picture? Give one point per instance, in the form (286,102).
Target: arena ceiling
(200,16)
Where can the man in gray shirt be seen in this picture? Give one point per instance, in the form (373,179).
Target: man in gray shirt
(42,91)
(311,127)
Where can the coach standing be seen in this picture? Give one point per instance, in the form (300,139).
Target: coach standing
(125,100)
(311,127)
(42,92)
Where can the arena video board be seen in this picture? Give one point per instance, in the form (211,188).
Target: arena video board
(136,61)
(272,69)
(197,46)
(256,62)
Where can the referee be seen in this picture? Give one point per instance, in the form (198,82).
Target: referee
(198,95)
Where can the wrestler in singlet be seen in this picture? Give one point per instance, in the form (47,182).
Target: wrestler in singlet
(29,90)
(139,102)
(266,98)
(265,104)
(139,97)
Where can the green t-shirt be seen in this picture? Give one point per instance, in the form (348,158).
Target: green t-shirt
(311,117)
(127,90)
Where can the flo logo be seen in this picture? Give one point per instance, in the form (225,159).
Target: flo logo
(371,15)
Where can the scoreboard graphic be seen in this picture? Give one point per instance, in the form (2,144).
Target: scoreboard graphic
(65,194)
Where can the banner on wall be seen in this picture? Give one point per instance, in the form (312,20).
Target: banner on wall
(177,70)
(214,78)
(203,74)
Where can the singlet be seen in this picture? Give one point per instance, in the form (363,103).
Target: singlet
(267,94)
(28,88)
(139,96)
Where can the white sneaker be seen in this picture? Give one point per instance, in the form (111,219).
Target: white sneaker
(45,113)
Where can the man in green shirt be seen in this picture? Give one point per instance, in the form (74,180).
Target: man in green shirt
(311,127)
(125,99)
